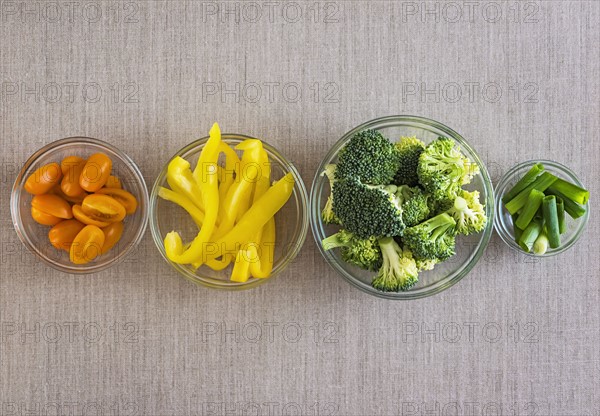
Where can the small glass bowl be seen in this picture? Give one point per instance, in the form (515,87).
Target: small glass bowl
(469,249)
(503,222)
(35,236)
(291,220)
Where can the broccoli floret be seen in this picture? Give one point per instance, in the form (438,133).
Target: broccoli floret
(442,168)
(432,239)
(468,213)
(362,252)
(471,169)
(368,156)
(366,210)
(414,204)
(426,264)
(409,150)
(327,213)
(399,269)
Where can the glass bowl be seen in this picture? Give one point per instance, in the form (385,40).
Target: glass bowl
(503,221)
(35,236)
(291,221)
(468,248)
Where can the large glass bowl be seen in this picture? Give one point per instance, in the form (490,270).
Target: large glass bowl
(468,248)
(503,221)
(291,221)
(35,236)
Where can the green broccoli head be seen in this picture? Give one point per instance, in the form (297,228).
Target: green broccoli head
(362,252)
(399,269)
(471,170)
(468,213)
(432,239)
(366,210)
(426,264)
(414,204)
(327,213)
(368,156)
(409,150)
(442,169)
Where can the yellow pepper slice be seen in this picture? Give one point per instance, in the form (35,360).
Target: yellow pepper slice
(257,216)
(239,194)
(196,213)
(181,180)
(231,170)
(264,265)
(205,175)
(241,267)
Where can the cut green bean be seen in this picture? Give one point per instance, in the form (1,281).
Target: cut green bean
(551,220)
(541,244)
(534,201)
(524,182)
(570,190)
(530,234)
(560,211)
(541,183)
(572,208)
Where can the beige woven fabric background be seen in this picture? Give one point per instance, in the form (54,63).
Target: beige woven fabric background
(519,80)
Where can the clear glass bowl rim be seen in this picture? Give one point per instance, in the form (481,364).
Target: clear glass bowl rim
(209,281)
(501,225)
(15,197)
(317,224)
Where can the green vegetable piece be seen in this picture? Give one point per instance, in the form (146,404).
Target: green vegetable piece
(364,253)
(327,214)
(571,191)
(541,244)
(524,182)
(530,234)
(534,200)
(560,211)
(409,150)
(399,269)
(573,208)
(370,157)
(541,183)
(551,220)
(516,230)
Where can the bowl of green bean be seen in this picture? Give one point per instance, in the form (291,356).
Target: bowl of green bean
(542,208)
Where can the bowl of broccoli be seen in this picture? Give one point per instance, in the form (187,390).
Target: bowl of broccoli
(402,207)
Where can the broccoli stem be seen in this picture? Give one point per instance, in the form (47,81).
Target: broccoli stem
(570,190)
(530,234)
(541,183)
(332,241)
(524,182)
(573,208)
(534,200)
(560,211)
(551,220)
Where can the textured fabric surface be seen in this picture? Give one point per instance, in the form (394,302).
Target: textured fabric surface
(519,80)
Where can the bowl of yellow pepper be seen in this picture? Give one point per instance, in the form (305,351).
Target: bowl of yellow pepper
(228,211)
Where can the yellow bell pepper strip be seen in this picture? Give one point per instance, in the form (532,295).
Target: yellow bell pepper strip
(218,265)
(257,216)
(239,194)
(264,179)
(181,180)
(264,266)
(196,213)
(231,170)
(206,177)
(241,267)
